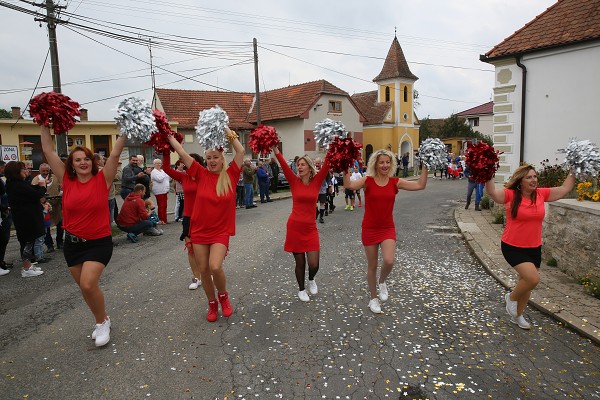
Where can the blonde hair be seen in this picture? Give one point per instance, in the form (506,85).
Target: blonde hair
(311,165)
(223,182)
(374,159)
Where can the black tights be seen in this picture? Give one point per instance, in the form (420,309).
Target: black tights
(313,266)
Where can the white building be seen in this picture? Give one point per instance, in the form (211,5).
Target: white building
(546,85)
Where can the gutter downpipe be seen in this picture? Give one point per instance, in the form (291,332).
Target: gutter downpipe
(523,98)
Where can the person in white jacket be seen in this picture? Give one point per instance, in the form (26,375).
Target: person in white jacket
(161,184)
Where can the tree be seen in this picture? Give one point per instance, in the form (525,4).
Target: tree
(5,114)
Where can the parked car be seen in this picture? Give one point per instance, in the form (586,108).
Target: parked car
(282,182)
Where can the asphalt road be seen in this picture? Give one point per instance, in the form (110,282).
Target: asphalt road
(444,333)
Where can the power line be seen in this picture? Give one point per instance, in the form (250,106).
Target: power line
(375,57)
(34,89)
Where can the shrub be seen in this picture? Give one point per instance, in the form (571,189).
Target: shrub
(485,202)
(499,218)
(591,285)
(552,262)
(551,175)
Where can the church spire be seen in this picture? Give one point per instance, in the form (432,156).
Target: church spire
(395,65)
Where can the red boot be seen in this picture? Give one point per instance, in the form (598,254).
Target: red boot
(226,308)
(213,311)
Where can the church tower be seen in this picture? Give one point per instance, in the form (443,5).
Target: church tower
(389,111)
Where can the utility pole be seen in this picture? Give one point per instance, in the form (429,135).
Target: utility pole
(256,83)
(61,140)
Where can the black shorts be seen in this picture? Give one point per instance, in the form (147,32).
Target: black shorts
(77,252)
(322,197)
(349,193)
(186,228)
(518,255)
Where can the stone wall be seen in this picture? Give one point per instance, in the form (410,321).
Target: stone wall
(572,236)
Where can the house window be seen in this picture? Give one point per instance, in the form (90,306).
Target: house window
(473,122)
(335,106)
(387,93)
(405,94)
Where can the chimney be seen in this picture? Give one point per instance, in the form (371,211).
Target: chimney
(16,112)
(84,115)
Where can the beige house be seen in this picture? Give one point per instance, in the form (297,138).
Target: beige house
(99,136)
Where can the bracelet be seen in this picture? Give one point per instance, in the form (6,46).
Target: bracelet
(231,136)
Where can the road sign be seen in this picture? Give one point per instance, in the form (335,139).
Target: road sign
(9,153)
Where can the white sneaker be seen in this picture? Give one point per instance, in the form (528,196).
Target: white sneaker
(383,292)
(521,321)
(102,333)
(375,306)
(195,283)
(302,295)
(32,271)
(511,306)
(312,287)
(4,271)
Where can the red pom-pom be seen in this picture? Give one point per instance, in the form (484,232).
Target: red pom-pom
(159,140)
(56,109)
(262,139)
(342,153)
(483,162)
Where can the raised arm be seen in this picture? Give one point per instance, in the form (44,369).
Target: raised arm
(178,176)
(185,157)
(414,185)
(285,168)
(112,162)
(353,185)
(52,158)
(495,194)
(237,146)
(558,192)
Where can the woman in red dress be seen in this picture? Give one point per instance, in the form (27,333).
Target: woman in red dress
(189,194)
(213,218)
(88,242)
(302,237)
(378,228)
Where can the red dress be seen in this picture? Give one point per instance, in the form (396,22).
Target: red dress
(302,235)
(213,218)
(189,185)
(378,221)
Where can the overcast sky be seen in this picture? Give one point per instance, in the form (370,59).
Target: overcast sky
(343,42)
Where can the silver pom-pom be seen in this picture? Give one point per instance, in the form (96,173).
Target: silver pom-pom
(327,130)
(433,154)
(583,157)
(211,128)
(135,119)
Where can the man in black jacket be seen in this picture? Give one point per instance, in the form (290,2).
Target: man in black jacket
(132,174)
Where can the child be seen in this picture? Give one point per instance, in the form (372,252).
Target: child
(38,249)
(152,215)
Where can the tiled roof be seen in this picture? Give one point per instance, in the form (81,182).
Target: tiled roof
(487,108)
(565,22)
(368,106)
(293,101)
(184,106)
(395,65)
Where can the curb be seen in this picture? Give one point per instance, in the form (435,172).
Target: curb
(506,279)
